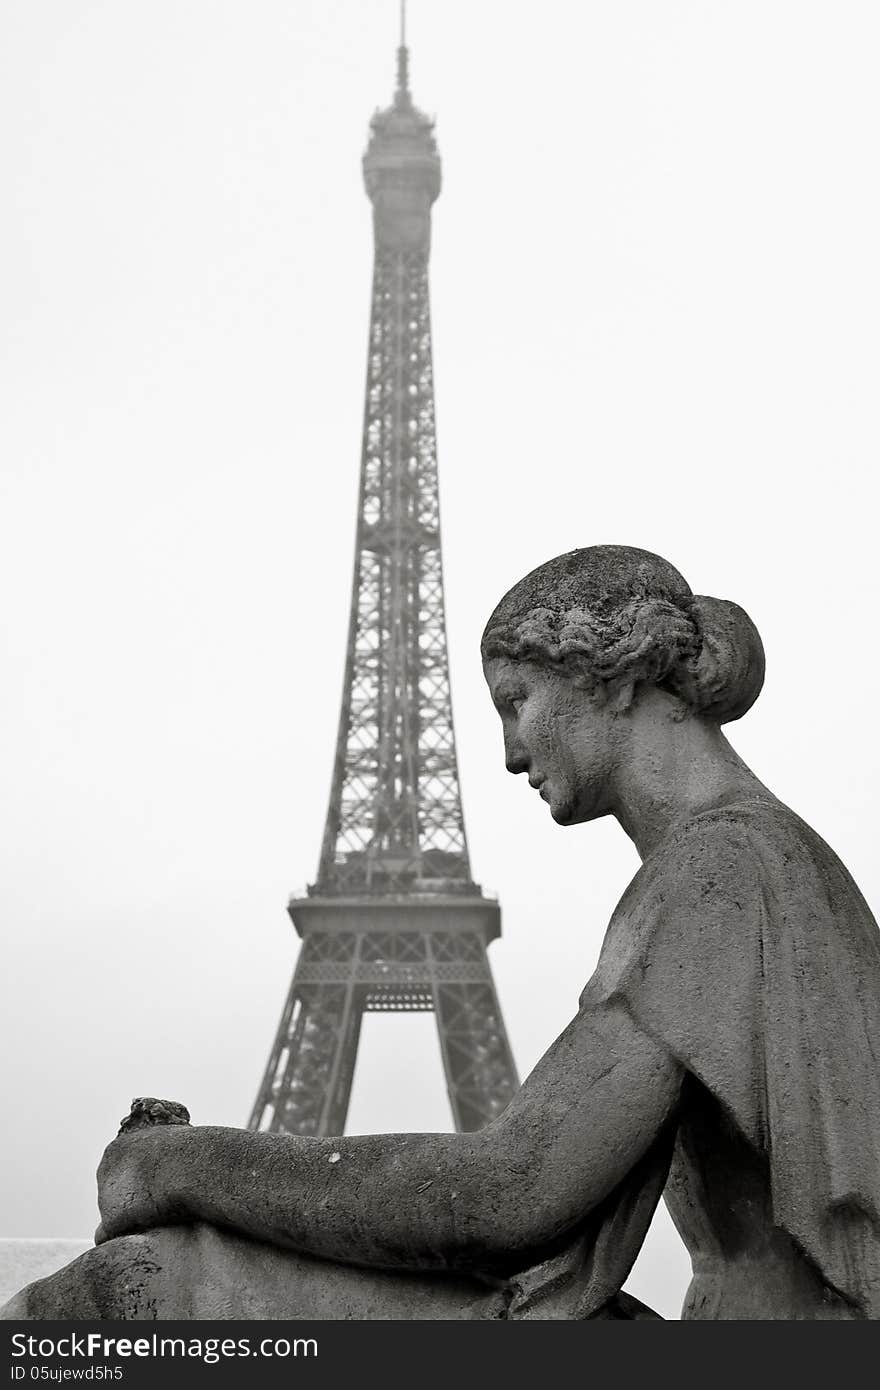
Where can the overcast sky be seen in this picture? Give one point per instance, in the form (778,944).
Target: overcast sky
(656,302)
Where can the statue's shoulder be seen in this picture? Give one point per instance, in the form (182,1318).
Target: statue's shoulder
(728,850)
(726,886)
(707,888)
(704,859)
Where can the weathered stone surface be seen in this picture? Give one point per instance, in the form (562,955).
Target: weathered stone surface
(199,1272)
(24,1259)
(724,1049)
(148,1110)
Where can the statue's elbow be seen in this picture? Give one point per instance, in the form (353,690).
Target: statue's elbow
(503,1241)
(527,1231)
(503,1220)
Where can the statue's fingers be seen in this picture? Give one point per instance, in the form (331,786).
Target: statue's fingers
(147,1111)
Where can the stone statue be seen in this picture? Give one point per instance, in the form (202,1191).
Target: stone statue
(725,1051)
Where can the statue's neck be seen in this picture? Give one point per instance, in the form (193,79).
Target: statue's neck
(674,771)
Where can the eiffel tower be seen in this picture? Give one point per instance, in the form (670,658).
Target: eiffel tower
(394,921)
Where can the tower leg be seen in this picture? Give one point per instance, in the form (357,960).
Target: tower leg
(308,1081)
(480,1074)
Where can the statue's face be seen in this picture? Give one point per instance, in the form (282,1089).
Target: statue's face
(564,739)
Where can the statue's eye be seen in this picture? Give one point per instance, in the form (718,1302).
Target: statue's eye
(516,701)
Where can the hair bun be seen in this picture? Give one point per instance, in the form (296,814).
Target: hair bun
(724,679)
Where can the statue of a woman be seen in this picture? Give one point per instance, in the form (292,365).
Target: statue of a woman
(727,1048)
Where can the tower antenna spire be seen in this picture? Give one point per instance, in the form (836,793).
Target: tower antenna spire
(402,56)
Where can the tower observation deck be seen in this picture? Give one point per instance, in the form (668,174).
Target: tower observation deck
(393,921)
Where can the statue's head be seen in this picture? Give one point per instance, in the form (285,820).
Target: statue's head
(580,646)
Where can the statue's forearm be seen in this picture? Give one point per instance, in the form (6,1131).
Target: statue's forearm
(405,1201)
(495,1200)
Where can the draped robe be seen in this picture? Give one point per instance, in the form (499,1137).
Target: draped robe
(746,950)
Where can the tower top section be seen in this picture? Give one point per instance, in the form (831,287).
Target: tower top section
(402,166)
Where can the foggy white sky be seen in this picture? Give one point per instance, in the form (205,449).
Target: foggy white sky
(655,299)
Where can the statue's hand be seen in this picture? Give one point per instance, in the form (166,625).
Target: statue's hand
(147,1111)
(137,1185)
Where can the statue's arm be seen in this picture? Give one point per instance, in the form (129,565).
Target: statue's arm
(494,1199)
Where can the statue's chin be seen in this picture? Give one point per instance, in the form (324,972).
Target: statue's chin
(569,813)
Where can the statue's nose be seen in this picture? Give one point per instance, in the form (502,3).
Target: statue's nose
(515,759)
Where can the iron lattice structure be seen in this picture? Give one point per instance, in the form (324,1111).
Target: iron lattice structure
(394,921)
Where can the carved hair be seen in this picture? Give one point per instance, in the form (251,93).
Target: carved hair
(611,616)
